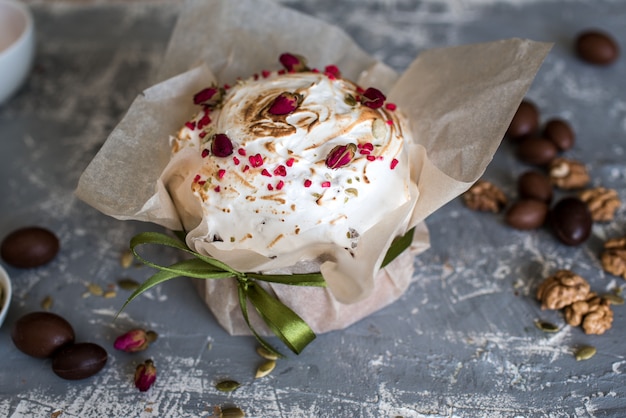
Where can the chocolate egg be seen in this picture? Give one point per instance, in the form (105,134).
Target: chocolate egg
(29,247)
(597,47)
(560,133)
(526,214)
(525,121)
(40,334)
(571,221)
(535,185)
(79,361)
(536,151)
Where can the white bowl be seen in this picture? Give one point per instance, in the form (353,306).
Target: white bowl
(5,294)
(17,46)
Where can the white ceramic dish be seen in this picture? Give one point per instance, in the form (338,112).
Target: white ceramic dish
(5,294)
(17,46)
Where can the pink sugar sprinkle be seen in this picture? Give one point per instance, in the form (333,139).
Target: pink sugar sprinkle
(394,163)
(265,73)
(196,178)
(280,185)
(190,125)
(204,121)
(390,106)
(364,152)
(217,189)
(331,76)
(266,173)
(202,183)
(202,134)
(307,183)
(367,146)
(280,171)
(245,168)
(241,152)
(236,160)
(205,153)
(221,173)
(389,122)
(326,184)
(270,187)
(290,162)
(371,158)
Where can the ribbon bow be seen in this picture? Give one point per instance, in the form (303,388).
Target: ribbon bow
(282,321)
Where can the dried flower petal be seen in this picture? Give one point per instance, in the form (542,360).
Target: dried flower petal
(132,341)
(285,103)
(293,62)
(145,375)
(332,70)
(340,156)
(221,146)
(373,98)
(207,95)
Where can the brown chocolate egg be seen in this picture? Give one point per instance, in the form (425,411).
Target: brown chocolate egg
(79,361)
(40,334)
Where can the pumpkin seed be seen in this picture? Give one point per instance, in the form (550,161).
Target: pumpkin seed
(379,129)
(546,326)
(585,353)
(95,289)
(266,354)
(227,385)
(232,412)
(265,369)
(349,100)
(127,283)
(613,298)
(126,259)
(46,303)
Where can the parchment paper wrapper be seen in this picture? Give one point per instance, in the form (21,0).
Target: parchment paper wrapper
(459,102)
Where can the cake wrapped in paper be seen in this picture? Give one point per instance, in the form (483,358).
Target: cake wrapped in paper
(301,188)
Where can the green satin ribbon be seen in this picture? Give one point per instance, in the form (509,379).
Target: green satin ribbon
(281,320)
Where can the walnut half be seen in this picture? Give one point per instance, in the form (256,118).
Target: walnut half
(602,203)
(568,174)
(484,196)
(614,257)
(562,289)
(594,314)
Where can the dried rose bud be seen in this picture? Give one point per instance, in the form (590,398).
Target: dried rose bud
(133,341)
(221,146)
(145,375)
(332,70)
(340,156)
(373,98)
(285,103)
(293,62)
(209,95)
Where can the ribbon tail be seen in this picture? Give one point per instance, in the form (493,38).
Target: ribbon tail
(243,302)
(283,322)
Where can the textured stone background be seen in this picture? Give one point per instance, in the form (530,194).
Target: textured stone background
(461,342)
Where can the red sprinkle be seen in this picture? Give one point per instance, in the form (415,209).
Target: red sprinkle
(390,106)
(204,121)
(217,189)
(245,168)
(315,70)
(270,187)
(190,125)
(205,153)
(326,184)
(202,183)
(226,86)
(371,158)
(255,76)
(256,160)
(241,152)
(202,134)
(236,160)
(280,185)
(280,171)
(389,122)
(290,162)
(307,183)
(394,163)
(221,173)
(196,178)
(332,70)
(266,173)
(204,95)
(265,73)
